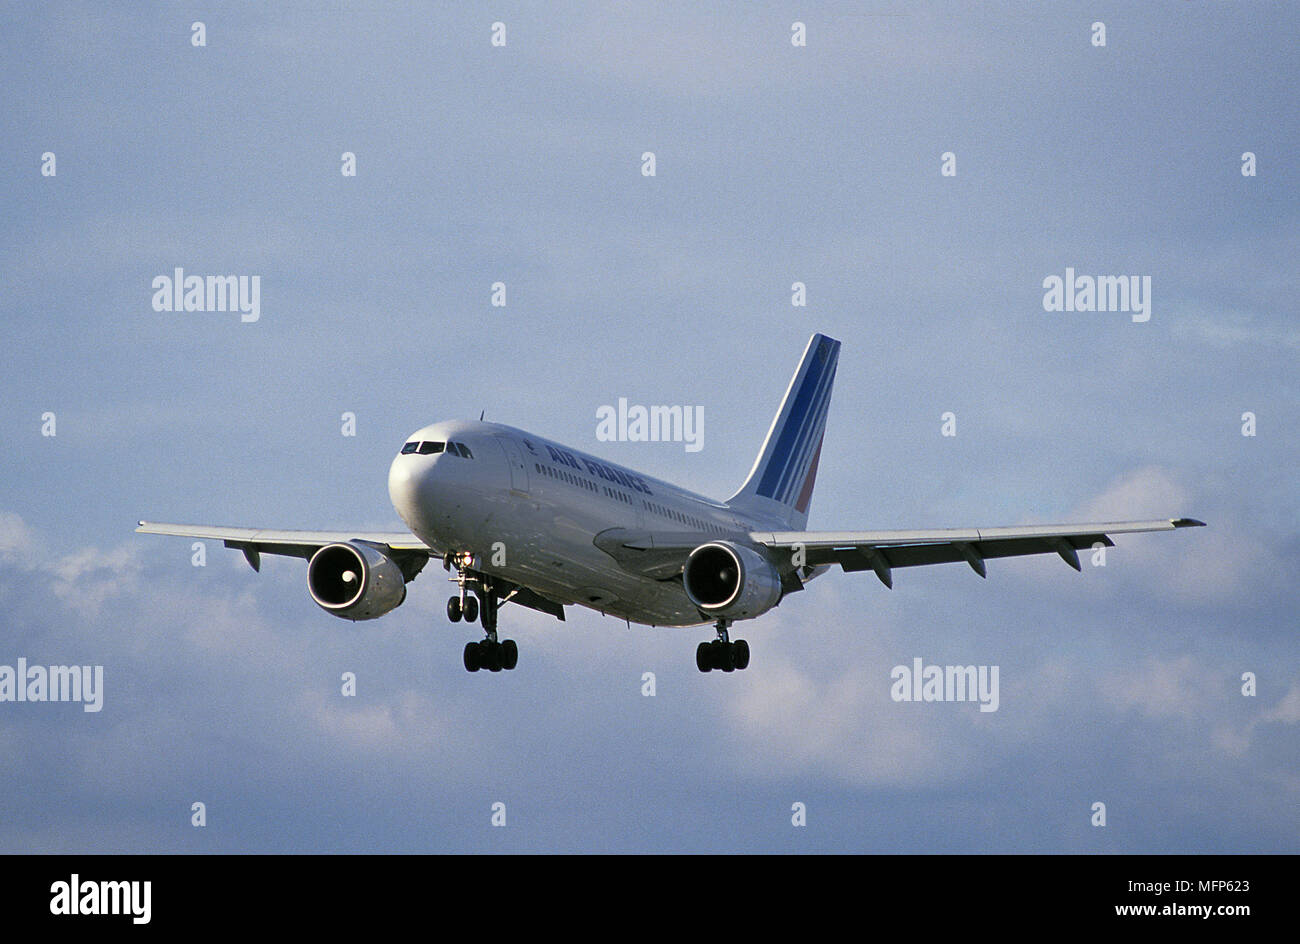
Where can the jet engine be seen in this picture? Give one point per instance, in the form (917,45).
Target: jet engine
(355,581)
(731,581)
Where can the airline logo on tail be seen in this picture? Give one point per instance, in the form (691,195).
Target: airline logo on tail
(791,468)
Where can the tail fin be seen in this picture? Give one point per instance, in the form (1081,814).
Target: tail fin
(781,482)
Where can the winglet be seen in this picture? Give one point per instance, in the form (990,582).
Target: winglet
(1187,523)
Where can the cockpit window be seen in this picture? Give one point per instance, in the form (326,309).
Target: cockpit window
(433,448)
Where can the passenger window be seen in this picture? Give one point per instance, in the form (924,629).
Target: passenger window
(431,448)
(410,448)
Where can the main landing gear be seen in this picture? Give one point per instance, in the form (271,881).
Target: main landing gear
(722,653)
(478,598)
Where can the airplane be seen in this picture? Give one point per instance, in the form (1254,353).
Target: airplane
(523,519)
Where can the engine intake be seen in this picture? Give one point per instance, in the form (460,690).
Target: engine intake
(730,580)
(355,581)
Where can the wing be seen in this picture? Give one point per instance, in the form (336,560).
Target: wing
(882,551)
(409,551)
(658,555)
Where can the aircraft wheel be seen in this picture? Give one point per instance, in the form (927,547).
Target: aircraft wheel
(703,662)
(471,657)
(740,653)
(453,609)
(470,609)
(509,655)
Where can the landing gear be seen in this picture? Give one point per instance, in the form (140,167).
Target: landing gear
(491,655)
(479,600)
(722,653)
(458,607)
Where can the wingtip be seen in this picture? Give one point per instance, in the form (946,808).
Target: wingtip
(1188,523)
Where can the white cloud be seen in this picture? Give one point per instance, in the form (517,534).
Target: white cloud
(1189,566)
(1161,688)
(15,536)
(87,579)
(402,723)
(1286,711)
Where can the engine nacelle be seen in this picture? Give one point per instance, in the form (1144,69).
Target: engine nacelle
(355,581)
(731,581)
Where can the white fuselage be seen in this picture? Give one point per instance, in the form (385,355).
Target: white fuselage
(529,510)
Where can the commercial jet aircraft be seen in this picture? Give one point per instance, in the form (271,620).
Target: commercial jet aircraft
(522,519)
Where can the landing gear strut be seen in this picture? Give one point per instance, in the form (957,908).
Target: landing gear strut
(722,653)
(479,598)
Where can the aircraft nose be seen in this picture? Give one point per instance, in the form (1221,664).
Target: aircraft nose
(405,477)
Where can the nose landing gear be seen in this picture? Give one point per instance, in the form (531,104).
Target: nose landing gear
(458,608)
(722,653)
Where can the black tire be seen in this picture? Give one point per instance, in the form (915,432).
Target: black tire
(453,609)
(740,654)
(509,655)
(702,661)
(720,655)
(492,657)
(470,610)
(471,657)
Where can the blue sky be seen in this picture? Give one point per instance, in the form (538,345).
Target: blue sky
(774,164)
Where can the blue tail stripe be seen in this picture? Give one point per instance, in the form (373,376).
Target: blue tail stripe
(794,422)
(807,430)
(780,454)
(802,452)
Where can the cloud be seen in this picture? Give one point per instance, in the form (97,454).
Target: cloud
(1238,739)
(1232,330)
(1161,689)
(87,579)
(403,722)
(15,536)
(1191,567)
(1286,711)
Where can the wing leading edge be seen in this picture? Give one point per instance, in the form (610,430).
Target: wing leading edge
(409,551)
(882,551)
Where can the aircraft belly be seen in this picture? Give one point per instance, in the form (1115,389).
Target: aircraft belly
(567,567)
(548,548)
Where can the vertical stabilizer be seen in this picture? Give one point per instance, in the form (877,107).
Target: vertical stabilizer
(781,482)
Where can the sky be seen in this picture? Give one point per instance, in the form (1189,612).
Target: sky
(774,164)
